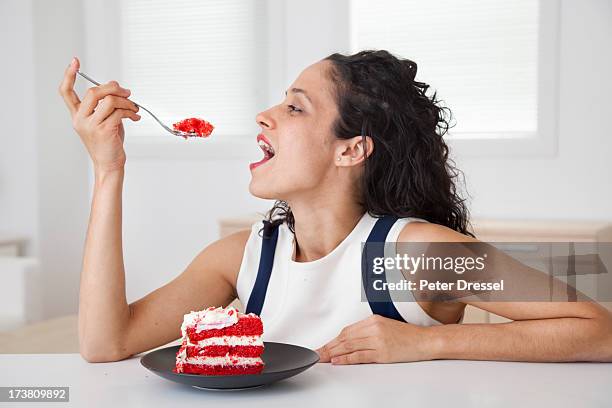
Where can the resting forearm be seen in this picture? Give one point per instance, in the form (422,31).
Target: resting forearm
(103,308)
(562,339)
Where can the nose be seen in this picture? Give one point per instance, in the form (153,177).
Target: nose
(264,120)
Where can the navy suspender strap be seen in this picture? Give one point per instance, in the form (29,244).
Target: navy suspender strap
(266,260)
(380,301)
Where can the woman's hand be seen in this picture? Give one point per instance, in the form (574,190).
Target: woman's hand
(97,119)
(378,339)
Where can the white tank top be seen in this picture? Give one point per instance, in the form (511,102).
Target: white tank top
(308,303)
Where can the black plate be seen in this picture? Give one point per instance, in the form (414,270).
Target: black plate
(281,361)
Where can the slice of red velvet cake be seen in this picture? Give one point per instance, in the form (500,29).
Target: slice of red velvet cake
(220,341)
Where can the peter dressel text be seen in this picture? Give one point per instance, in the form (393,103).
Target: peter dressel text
(423,284)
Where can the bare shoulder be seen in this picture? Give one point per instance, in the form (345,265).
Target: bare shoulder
(445,312)
(430,232)
(229,245)
(224,255)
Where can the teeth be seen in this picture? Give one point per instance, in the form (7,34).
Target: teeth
(265,146)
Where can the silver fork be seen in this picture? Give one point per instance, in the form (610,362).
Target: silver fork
(182,134)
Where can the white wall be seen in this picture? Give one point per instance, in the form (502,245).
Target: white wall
(43,168)
(18,165)
(18,177)
(62,160)
(171,205)
(577,184)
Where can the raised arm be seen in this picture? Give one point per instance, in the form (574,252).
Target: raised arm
(109,328)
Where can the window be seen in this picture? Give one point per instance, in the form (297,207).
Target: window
(194,59)
(492,63)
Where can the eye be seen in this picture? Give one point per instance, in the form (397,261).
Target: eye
(293,108)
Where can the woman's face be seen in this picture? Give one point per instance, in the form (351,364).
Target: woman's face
(299,134)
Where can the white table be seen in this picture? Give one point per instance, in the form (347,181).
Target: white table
(423,384)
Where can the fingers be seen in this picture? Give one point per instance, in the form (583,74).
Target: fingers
(351,345)
(118,114)
(355,330)
(357,357)
(353,334)
(323,353)
(107,105)
(339,347)
(97,93)
(66,88)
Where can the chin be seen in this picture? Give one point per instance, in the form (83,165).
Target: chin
(262,190)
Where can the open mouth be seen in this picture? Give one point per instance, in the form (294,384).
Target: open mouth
(267,149)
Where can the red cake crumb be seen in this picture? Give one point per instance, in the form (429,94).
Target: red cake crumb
(199,127)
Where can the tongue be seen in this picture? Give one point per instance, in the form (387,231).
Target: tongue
(266,157)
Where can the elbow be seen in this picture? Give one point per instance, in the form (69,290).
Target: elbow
(601,346)
(95,348)
(97,355)
(607,342)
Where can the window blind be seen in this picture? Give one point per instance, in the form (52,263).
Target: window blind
(195,59)
(480,56)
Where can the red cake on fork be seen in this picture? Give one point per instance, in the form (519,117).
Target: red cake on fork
(220,341)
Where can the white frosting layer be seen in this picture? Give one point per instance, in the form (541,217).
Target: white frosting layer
(211,318)
(181,355)
(229,341)
(225,360)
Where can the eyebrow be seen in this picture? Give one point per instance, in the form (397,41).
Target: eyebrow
(300,91)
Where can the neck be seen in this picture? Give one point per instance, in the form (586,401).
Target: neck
(322,227)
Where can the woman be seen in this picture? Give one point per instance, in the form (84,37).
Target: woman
(355,141)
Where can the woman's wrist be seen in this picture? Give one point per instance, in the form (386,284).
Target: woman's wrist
(101,174)
(116,165)
(434,342)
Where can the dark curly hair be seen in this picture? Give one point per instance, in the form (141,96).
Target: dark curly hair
(409,173)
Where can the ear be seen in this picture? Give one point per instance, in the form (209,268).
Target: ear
(355,150)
